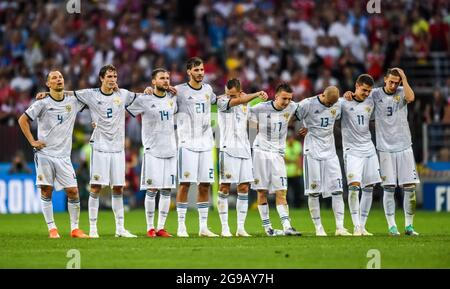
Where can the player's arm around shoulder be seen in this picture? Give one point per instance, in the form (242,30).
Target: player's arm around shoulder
(245,98)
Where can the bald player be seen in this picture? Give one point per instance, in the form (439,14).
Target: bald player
(322,172)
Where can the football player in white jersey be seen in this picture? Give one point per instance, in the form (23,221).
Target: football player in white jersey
(107,107)
(159,165)
(235,155)
(272,120)
(393,137)
(360,157)
(195,144)
(55,117)
(322,171)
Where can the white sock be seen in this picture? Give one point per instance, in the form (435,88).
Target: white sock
(93,211)
(409,204)
(314,210)
(283,212)
(181,212)
(365,205)
(337,203)
(242,209)
(203,215)
(73,206)
(47,210)
(149,204)
(389,206)
(264,213)
(222,207)
(117,206)
(163,208)
(353,204)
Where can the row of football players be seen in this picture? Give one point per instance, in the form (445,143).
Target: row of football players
(191,161)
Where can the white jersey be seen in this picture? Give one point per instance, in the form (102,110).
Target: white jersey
(194,117)
(272,126)
(108,113)
(55,120)
(158,126)
(319,120)
(356,137)
(391,120)
(233,128)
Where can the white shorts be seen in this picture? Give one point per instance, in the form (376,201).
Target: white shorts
(235,170)
(364,170)
(107,169)
(195,167)
(270,171)
(55,172)
(398,168)
(158,173)
(322,176)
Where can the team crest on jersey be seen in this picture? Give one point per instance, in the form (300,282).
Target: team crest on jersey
(333,112)
(383,178)
(207,96)
(96,177)
(149,181)
(244,109)
(286,115)
(368,109)
(396,98)
(68,108)
(171,103)
(117,100)
(350,176)
(40,177)
(256,181)
(228,176)
(186,174)
(313,186)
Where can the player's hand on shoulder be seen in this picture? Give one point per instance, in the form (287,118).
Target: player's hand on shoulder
(148,90)
(303,131)
(263,95)
(348,95)
(37,144)
(172,90)
(41,95)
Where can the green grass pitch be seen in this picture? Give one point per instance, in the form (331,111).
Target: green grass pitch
(24,244)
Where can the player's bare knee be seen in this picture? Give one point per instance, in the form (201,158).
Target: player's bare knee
(117,190)
(225,188)
(409,187)
(95,189)
(243,188)
(72,193)
(262,197)
(46,191)
(280,197)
